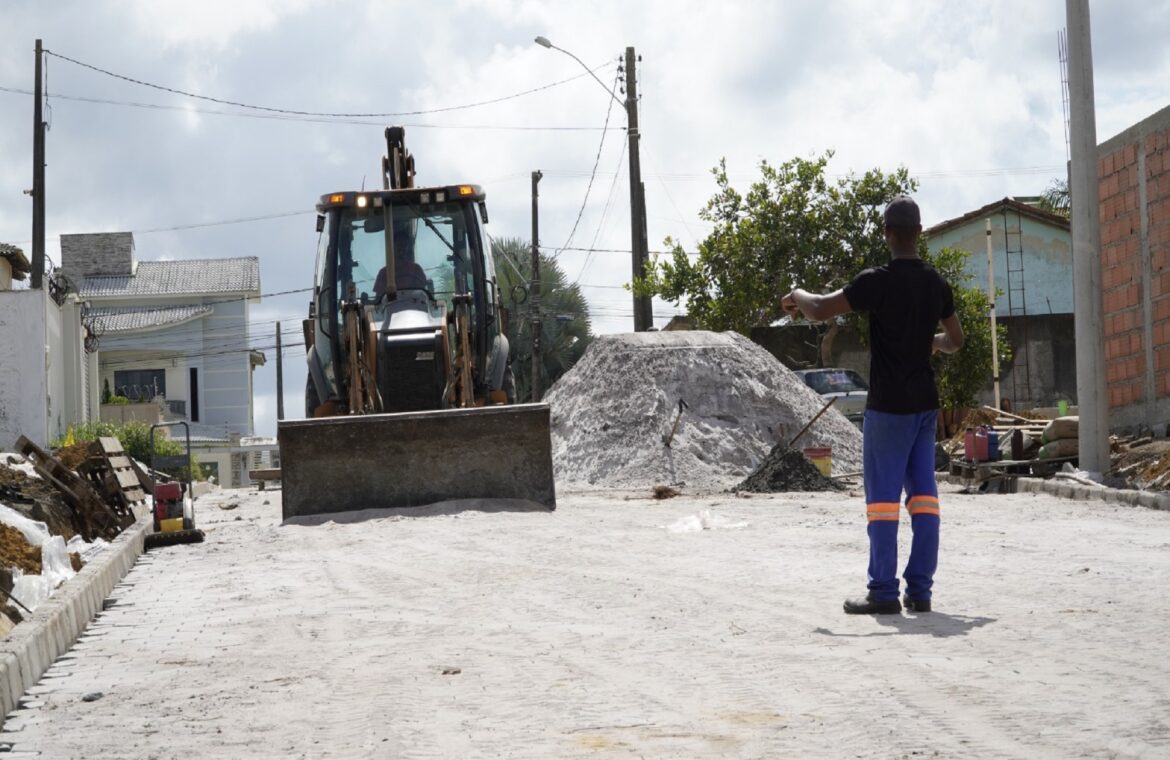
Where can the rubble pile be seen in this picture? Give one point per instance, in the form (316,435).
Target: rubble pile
(786,469)
(615,411)
(55,514)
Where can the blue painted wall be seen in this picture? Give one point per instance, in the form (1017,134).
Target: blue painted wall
(1047,275)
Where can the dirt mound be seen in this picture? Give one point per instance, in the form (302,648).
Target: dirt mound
(786,469)
(613,412)
(16,551)
(37,500)
(72,456)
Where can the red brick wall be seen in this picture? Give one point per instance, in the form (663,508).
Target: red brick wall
(1122,266)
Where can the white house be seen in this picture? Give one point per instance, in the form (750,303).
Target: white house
(173,333)
(42,348)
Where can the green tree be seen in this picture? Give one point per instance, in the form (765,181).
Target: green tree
(565,329)
(963,374)
(793,228)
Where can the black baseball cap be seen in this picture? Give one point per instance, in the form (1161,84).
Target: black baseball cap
(903,212)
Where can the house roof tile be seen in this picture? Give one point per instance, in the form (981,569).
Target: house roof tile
(185,277)
(130,319)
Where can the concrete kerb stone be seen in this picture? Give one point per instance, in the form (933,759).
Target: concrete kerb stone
(1135,498)
(55,626)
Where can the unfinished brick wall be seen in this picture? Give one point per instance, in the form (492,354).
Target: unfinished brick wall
(1134,187)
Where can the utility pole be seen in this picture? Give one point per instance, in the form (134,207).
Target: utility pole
(991,297)
(38,188)
(279,377)
(643,318)
(534,292)
(1089,325)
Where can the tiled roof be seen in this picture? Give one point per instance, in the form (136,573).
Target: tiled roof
(16,258)
(186,277)
(1038,214)
(129,319)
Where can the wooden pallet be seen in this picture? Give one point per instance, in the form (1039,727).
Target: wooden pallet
(975,473)
(92,516)
(113,476)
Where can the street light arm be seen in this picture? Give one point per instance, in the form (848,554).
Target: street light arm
(543,42)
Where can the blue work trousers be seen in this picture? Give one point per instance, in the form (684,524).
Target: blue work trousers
(899,457)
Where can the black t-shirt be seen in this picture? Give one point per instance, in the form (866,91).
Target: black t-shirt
(905,299)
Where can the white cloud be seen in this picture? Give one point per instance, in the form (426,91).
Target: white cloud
(208,23)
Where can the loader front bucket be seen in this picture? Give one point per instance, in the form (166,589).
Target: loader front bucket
(409,459)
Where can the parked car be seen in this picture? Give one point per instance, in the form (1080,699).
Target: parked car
(845,385)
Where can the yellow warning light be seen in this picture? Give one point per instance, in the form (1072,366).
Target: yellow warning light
(466,190)
(337,198)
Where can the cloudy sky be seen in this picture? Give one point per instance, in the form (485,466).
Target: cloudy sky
(966,95)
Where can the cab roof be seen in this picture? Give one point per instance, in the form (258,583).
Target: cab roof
(404,196)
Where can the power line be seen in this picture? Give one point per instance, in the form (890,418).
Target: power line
(324,114)
(302,119)
(604,214)
(593,174)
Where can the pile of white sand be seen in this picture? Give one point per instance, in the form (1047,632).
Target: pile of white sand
(611,412)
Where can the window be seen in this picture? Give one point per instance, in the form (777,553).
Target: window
(194,391)
(140,384)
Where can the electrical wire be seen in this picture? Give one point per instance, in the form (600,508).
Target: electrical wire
(323,114)
(593,174)
(604,213)
(306,119)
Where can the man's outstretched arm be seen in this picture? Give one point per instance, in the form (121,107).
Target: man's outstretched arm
(818,308)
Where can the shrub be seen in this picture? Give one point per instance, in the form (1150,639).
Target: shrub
(135,439)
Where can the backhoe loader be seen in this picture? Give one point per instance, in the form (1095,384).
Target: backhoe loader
(409,398)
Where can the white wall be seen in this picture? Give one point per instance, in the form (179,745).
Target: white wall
(57,368)
(23,368)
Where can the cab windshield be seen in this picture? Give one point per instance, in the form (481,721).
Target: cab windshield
(432,251)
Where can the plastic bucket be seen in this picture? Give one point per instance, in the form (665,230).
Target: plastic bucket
(822,457)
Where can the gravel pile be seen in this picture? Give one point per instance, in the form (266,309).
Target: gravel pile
(786,469)
(612,411)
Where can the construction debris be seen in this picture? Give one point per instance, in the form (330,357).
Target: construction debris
(615,409)
(55,508)
(786,469)
(94,517)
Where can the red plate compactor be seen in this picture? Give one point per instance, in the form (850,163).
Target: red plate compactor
(174,509)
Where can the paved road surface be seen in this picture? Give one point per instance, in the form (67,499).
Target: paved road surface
(596,631)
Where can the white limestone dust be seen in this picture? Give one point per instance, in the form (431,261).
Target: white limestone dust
(612,411)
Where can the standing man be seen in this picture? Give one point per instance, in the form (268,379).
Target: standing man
(906,300)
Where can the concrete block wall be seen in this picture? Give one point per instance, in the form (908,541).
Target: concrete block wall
(101,253)
(1134,190)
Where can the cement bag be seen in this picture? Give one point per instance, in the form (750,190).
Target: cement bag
(1064,447)
(1060,429)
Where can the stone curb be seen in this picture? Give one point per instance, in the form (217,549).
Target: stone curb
(1077,491)
(33,645)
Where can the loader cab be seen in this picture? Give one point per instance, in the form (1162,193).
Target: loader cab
(409,254)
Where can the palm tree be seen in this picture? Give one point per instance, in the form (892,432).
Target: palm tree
(565,326)
(1056,198)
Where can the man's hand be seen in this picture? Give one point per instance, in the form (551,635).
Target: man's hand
(950,339)
(788,304)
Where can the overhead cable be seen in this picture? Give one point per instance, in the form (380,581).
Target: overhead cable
(325,114)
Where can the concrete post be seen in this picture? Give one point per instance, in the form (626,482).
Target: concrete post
(1092,396)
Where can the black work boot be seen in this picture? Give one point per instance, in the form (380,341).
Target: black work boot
(915,605)
(868,606)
